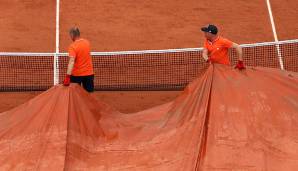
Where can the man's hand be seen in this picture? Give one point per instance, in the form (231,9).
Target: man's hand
(207,60)
(240,65)
(66,81)
(205,55)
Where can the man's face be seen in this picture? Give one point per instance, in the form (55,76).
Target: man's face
(208,35)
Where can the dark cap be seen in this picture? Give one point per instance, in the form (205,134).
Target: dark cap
(210,29)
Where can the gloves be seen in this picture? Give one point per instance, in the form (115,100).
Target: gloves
(240,65)
(66,81)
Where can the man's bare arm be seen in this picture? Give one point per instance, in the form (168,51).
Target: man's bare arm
(70,65)
(239,51)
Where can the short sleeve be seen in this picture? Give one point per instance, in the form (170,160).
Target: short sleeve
(71,51)
(227,43)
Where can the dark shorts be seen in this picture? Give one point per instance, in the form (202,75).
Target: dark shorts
(86,81)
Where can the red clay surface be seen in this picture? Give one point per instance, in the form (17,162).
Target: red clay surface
(154,24)
(29,26)
(285,15)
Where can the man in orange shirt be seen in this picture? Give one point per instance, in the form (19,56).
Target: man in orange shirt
(216,48)
(80,68)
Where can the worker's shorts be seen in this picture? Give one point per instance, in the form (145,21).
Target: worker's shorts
(86,81)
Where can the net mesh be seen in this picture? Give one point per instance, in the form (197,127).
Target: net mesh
(137,70)
(263,56)
(25,73)
(147,71)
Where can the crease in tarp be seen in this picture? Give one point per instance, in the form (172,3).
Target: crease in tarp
(67,128)
(225,120)
(203,143)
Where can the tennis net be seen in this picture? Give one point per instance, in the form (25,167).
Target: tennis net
(169,69)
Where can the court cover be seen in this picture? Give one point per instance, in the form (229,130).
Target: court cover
(225,120)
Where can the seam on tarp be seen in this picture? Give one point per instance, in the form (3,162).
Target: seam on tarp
(67,129)
(202,148)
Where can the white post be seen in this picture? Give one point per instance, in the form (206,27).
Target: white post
(56,56)
(275,35)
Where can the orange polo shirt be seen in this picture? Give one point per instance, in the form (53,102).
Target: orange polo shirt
(80,50)
(218,50)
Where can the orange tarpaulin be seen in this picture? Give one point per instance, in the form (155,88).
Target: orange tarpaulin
(225,120)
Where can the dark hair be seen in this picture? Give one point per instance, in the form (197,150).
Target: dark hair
(75,32)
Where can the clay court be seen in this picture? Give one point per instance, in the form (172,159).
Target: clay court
(29,26)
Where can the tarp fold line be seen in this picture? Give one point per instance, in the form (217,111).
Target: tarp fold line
(204,132)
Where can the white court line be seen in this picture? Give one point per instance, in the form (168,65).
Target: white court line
(275,35)
(57,24)
(56,61)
